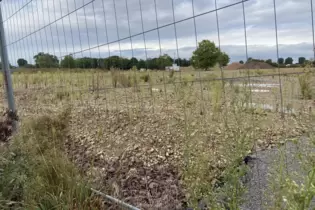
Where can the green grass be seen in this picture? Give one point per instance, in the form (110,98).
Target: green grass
(35,172)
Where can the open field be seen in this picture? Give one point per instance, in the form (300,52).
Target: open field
(160,139)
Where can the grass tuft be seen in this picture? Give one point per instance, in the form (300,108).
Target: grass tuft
(35,173)
(305,86)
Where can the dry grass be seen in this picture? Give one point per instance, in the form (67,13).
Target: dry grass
(35,172)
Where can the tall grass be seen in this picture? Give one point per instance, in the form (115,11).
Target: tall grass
(306,86)
(35,172)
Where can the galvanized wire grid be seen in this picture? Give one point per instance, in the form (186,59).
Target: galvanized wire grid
(136,29)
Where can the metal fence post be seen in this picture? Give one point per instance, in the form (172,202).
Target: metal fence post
(6,68)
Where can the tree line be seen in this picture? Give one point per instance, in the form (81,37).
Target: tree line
(46,60)
(282,62)
(204,57)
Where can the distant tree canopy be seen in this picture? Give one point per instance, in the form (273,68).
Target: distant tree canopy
(249,59)
(269,61)
(21,62)
(223,59)
(280,61)
(45,60)
(288,60)
(208,55)
(204,57)
(302,60)
(68,62)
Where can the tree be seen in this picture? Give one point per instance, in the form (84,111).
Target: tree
(241,62)
(141,64)
(269,61)
(224,59)
(45,60)
(165,60)
(302,60)
(280,60)
(68,62)
(288,60)
(250,59)
(206,55)
(134,61)
(21,62)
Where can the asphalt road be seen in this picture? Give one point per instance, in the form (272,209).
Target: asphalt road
(263,171)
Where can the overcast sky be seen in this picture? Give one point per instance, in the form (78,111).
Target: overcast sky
(61,27)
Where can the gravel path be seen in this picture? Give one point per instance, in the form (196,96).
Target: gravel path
(263,167)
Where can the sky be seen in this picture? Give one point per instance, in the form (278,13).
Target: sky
(146,29)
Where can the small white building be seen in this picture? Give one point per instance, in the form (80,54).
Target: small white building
(174,67)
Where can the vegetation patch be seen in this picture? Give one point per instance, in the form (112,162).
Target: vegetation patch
(36,174)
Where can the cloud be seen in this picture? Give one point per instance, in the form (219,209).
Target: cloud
(94,27)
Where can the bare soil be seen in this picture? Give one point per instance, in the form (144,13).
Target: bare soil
(234,66)
(257,65)
(250,65)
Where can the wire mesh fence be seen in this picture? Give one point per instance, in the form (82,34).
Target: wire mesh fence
(174,104)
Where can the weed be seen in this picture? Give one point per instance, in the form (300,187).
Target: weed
(115,76)
(61,95)
(259,72)
(145,77)
(296,189)
(171,74)
(187,79)
(305,86)
(122,79)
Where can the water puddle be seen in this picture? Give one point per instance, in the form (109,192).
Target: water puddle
(260,91)
(272,108)
(261,85)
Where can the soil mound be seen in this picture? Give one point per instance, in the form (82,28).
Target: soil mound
(256,65)
(234,66)
(250,65)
